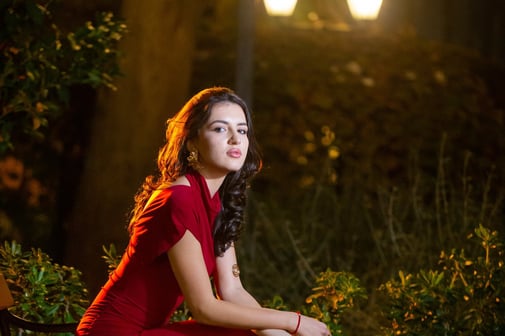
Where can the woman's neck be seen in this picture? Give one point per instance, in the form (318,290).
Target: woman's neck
(214,183)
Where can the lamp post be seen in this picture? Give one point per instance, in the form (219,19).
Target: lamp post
(245,43)
(364,9)
(245,50)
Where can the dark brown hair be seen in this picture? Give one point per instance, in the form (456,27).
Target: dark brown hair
(172,163)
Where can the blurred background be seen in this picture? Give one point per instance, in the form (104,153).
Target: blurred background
(383,136)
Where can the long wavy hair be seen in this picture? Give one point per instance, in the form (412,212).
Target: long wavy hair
(172,163)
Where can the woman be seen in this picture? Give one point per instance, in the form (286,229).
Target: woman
(183,228)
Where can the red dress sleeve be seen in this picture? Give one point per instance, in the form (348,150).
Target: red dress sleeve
(142,292)
(164,222)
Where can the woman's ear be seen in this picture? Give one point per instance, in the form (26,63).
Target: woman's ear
(190,146)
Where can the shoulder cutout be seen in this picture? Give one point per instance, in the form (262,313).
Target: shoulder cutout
(181,180)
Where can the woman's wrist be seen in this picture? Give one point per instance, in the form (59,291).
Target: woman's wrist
(297,326)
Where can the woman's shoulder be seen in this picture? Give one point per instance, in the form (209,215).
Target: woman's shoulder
(178,190)
(181,180)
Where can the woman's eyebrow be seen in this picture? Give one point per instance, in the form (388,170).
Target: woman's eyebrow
(243,123)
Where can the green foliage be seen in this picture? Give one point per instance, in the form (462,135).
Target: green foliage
(39,62)
(370,103)
(111,257)
(334,294)
(464,295)
(181,314)
(276,302)
(42,61)
(380,149)
(372,237)
(27,202)
(43,291)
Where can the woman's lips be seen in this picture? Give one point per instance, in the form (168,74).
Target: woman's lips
(234,153)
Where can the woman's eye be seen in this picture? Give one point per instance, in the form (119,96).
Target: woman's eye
(242,131)
(219,129)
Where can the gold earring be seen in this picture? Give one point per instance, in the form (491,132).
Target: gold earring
(193,160)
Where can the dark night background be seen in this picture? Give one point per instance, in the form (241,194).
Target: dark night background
(361,113)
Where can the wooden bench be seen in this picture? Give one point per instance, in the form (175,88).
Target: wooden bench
(8,320)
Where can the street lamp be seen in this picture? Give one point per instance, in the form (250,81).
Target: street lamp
(364,9)
(280,7)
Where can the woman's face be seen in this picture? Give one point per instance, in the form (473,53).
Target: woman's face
(222,143)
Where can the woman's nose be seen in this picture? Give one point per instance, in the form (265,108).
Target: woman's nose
(234,139)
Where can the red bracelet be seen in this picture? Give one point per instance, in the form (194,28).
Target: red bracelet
(297,324)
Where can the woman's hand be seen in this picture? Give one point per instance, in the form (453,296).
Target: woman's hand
(312,327)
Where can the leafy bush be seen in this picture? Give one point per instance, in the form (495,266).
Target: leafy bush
(39,62)
(464,295)
(335,293)
(111,257)
(379,150)
(43,291)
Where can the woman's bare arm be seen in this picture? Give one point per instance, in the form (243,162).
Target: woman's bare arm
(189,268)
(230,288)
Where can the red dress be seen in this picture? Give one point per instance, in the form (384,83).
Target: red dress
(142,293)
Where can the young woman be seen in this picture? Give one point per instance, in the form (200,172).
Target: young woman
(183,228)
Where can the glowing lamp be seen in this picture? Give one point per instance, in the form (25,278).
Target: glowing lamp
(280,7)
(364,9)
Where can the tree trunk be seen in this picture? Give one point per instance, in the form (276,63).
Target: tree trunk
(129,128)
